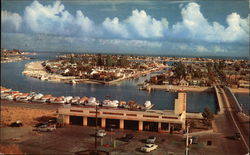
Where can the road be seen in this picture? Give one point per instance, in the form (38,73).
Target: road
(228,123)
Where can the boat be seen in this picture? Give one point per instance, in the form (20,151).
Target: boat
(4,90)
(23,97)
(92,102)
(44,99)
(68,99)
(148,105)
(52,99)
(75,100)
(60,100)
(37,97)
(43,78)
(8,97)
(83,100)
(109,103)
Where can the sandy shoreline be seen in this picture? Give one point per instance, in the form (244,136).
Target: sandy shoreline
(240,90)
(181,88)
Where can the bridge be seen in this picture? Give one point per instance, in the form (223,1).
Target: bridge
(228,120)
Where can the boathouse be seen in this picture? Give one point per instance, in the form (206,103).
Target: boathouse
(149,120)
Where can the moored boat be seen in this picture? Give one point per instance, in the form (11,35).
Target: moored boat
(148,105)
(92,102)
(83,100)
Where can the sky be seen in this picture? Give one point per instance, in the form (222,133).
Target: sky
(170,27)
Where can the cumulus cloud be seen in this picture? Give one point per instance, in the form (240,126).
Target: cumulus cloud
(138,25)
(11,22)
(56,20)
(195,26)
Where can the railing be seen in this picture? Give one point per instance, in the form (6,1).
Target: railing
(234,98)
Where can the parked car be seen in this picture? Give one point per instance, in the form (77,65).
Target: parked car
(151,140)
(194,140)
(127,137)
(41,125)
(237,136)
(101,133)
(16,124)
(149,147)
(46,129)
(110,128)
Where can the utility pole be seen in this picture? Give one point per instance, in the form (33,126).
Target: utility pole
(96,112)
(187,148)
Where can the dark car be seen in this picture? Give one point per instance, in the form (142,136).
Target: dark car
(127,137)
(151,140)
(194,140)
(110,128)
(41,125)
(237,136)
(16,124)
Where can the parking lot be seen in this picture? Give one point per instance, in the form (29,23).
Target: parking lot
(72,139)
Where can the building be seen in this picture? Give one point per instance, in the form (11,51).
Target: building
(150,120)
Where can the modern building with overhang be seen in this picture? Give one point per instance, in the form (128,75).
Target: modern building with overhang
(149,120)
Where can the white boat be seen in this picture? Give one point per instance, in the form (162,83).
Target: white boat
(75,100)
(59,100)
(44,99)
(109,103)
(148,105)
(4,90)
(68,99)
(22,97)
(4,95)
(92,101)
(9,97)
(37,97)
(83,100)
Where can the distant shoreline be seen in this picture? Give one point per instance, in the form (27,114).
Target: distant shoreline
(36,70)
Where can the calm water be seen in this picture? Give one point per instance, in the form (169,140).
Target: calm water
(244,100)
(11,77)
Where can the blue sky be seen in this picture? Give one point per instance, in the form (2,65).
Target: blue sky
(193,28)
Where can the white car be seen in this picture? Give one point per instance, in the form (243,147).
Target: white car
(101,133)
(149,147)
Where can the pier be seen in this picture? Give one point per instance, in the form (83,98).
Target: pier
(150,120)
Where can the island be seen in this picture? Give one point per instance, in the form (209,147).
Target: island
(92,68)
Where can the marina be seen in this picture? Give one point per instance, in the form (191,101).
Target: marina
(124,91)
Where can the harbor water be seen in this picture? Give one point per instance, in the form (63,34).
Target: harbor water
(11,77)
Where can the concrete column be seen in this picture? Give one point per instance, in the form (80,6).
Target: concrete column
(169,127)
(103,122)
(159,126)
(66,119)
(183,126)
(140,125)
(85,121)
(121,124)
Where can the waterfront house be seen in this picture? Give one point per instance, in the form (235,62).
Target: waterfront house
(183,83)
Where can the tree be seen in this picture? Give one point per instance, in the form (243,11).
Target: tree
(99,60)
(180,70)
(122,62)
(72,60)
(109,61)
(207,114)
